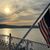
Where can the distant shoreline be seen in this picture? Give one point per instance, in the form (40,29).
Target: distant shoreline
(14,26)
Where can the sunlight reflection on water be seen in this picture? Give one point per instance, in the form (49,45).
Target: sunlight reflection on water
(6,31)
(34,34)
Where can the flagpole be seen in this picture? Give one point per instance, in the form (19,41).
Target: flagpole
(32,26)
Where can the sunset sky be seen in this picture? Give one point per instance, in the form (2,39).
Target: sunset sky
(21,12)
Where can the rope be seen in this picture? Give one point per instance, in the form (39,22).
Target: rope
(32,27)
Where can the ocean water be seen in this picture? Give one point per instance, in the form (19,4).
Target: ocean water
(34,34)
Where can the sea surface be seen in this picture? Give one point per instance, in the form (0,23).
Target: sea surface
(34,34)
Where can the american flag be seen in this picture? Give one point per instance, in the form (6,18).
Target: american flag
(44,25)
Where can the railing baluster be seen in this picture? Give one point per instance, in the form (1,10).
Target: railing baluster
(10,41)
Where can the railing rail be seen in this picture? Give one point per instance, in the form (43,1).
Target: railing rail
(26,44)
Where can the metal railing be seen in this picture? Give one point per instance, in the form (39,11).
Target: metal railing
(9,43)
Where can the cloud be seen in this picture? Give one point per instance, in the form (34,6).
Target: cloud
(2,17)
(24,9)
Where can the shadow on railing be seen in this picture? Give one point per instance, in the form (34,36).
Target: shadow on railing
(9,43)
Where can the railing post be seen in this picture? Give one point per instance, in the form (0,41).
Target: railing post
(10,41)
(27,45)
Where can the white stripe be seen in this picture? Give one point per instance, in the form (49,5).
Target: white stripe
(42,31)
(44,27)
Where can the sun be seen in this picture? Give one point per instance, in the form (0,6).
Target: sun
(7,10)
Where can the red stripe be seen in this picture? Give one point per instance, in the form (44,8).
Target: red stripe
(49,33)
(43,33)
(48,42)
(45,25)
(47,29)
(44,29)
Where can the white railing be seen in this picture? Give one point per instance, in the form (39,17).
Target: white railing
(9,43)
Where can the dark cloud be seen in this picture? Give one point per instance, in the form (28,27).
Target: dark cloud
(2,17)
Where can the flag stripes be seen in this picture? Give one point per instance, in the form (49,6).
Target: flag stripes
(44,29)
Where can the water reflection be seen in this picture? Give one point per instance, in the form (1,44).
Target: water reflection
(6,31)
(18,32)
(6,39)
(34,35)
